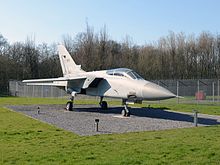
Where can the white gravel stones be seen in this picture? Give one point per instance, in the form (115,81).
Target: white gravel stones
(82,120)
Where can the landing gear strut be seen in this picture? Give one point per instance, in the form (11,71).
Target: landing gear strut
(69,104)
(125,112)
(103,104)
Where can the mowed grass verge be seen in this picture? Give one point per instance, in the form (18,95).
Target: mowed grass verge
(28,141)
(211,109)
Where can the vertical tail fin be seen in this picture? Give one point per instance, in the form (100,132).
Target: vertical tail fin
(68,65)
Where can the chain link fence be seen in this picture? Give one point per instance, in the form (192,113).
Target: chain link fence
(203,90)
(17,88)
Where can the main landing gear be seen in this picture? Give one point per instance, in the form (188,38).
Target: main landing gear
(69,104)
(103,104)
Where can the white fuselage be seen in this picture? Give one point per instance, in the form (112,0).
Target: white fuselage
(125,87)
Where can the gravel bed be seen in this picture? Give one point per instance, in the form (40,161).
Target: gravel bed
(82,120)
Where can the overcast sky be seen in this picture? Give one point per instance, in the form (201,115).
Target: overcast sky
(144,20)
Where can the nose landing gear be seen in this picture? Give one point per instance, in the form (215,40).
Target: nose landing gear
(125,112)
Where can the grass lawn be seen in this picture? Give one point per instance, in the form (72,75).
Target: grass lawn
(27,141)
(205,109)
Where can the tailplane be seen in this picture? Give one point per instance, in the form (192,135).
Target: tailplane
(68,65)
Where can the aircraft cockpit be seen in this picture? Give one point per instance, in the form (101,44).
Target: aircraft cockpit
(124,72)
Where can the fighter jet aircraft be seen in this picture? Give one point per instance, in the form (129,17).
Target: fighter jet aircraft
(121,83)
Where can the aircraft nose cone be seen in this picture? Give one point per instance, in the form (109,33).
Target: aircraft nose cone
(152,91)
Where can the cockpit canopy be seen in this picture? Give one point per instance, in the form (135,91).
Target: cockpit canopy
(124,72)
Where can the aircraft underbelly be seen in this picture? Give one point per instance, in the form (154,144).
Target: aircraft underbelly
(121,89)
(108,89)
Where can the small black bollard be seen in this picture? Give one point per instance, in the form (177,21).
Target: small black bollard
(97,124)
(38,110)
(195,117)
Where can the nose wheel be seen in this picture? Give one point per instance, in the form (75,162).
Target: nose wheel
(125,112)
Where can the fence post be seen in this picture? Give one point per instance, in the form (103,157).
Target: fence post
(25,89)
(42,91)
(16,88)
(177,91)
(198,90)
(33,91)
(61,93)
(51,91)
(213,91)
(218,90)
(158,83)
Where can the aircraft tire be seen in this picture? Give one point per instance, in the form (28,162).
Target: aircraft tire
(104,105)
(124,113)
(128,114)
(69,106)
